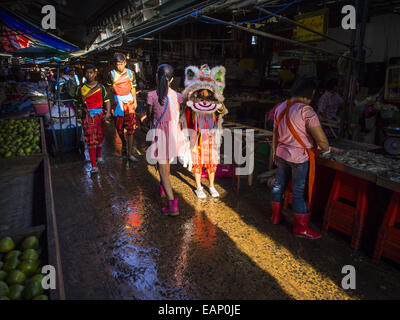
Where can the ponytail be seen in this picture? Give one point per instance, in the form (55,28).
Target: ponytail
(162,89)
(164,74)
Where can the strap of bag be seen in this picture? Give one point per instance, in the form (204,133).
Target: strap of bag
(92,90)
(162,115)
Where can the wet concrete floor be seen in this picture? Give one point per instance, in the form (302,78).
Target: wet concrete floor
(116,244)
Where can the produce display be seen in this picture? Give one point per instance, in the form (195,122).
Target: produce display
(19,137)
(19,96)
(20,270)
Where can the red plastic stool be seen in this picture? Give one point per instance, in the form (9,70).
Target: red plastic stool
(344,217)
(388,241)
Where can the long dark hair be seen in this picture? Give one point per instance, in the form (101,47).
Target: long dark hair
(164,74)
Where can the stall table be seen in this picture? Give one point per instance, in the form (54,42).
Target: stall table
(261,137)
(353,184)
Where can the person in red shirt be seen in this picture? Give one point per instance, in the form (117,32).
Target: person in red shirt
(123,82)
(92,97)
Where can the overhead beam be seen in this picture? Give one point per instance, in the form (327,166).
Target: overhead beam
(275,37)
(302,26)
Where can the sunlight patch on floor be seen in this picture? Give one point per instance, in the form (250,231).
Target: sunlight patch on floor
(296,277)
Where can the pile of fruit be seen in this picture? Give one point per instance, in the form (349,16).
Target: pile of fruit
(20,270)
(19,137)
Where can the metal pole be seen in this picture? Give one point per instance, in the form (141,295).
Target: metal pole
(356,67)
(343,120)
(303,27)
(275,37)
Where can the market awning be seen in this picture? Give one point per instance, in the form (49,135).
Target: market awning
(35,34)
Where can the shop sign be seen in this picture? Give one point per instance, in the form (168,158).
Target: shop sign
(316,20)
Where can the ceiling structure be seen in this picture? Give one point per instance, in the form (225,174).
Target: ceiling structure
(96,23)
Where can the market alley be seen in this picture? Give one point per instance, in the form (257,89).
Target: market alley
(116,244)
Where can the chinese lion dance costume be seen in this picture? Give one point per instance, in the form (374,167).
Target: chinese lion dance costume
(204,113)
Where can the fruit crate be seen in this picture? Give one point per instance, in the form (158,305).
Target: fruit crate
(28,209)
(42,144)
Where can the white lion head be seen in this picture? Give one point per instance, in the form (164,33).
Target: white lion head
(205,78)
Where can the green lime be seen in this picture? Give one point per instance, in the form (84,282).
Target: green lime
(30,254)
(31,242)
(28,150)
(3,289)
(11,264)
(6,245)
(15,291)
(32,289)
(13,254)
(15,277)
(3,275)
(8,154)
(28,266)
(37,277)
(41,297)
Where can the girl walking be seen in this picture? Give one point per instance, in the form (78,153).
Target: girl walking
(163,112)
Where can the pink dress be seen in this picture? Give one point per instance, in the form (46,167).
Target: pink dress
(302,117)
(168,135)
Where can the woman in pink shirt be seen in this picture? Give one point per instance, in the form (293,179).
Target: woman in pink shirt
(330,102)
(163,109)
(293,143)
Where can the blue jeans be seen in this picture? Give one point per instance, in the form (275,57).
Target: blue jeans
(299,174)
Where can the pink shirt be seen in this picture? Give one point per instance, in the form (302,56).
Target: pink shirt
(271,114)
(329,104)
(172,113)
(302,117)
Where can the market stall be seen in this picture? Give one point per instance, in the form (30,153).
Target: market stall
(350,187)
(28,233)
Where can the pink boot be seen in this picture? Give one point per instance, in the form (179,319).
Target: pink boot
(162,192)
(172,208)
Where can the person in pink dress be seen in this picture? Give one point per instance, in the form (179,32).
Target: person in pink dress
(168,142)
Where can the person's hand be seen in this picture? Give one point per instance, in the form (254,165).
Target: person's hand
(336,149)
(143,117)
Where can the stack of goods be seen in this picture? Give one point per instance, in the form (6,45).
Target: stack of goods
(21,96)
(20,270)
(19,137)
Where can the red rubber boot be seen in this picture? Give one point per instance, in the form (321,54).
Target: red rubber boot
(172,208)
(276,212)
(301,229)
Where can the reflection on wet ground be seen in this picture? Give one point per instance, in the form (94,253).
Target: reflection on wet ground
(116,244)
